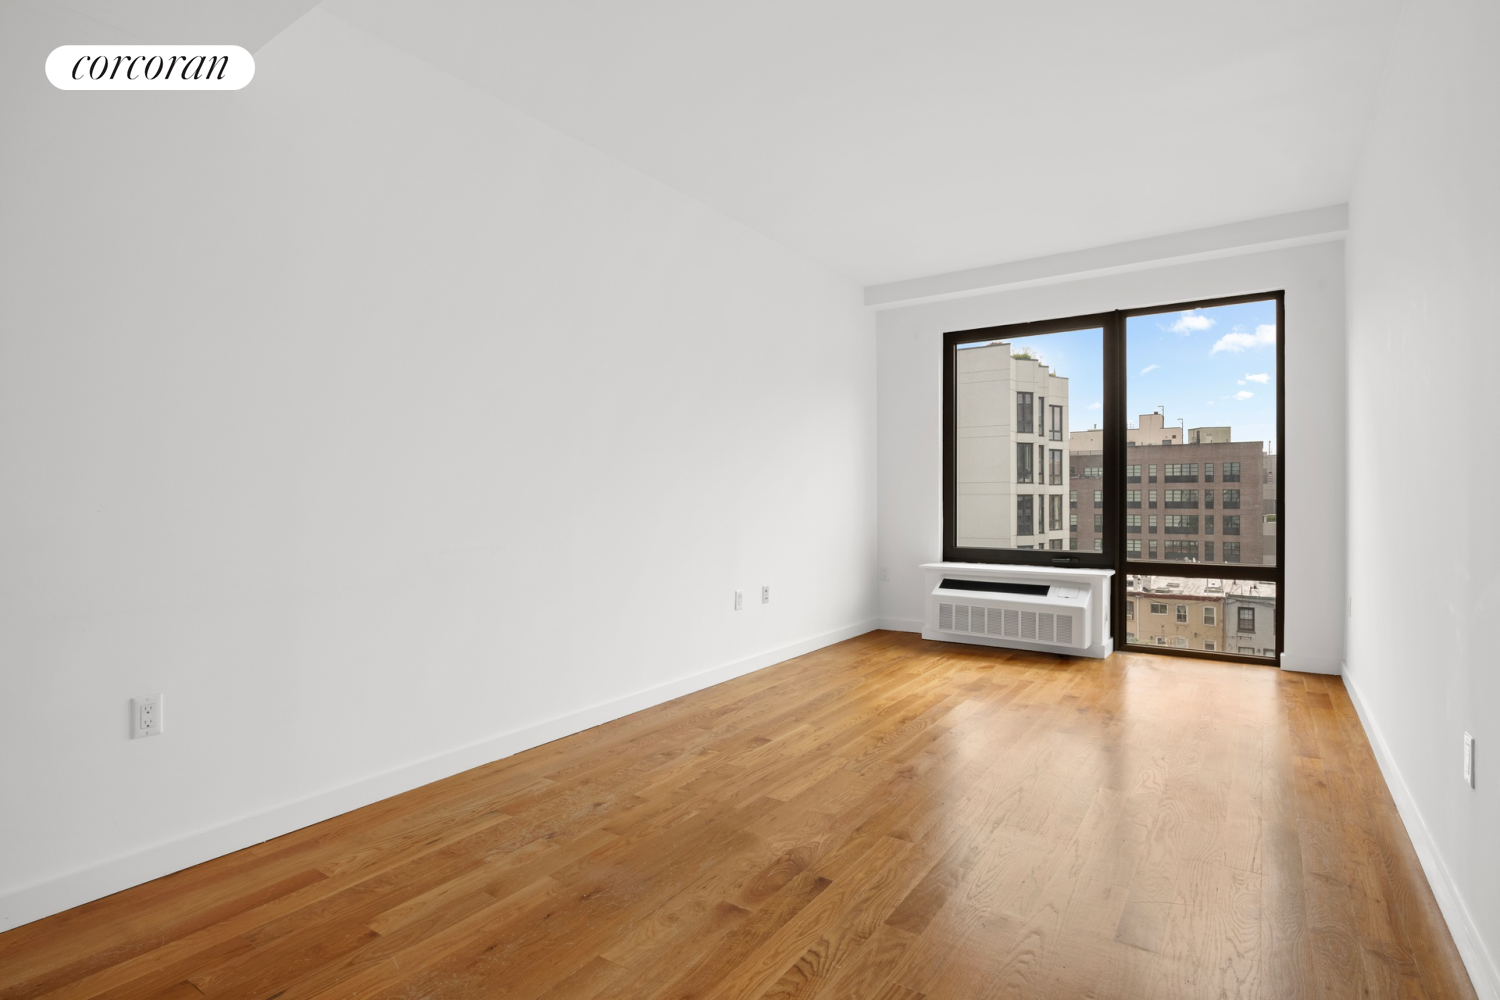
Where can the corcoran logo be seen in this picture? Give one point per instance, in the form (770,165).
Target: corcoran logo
(150,67)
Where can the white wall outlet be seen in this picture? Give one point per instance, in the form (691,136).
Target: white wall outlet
(1468,760)
(739,600)
(765,595)
(145,716)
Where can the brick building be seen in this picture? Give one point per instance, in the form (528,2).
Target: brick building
(1204,501)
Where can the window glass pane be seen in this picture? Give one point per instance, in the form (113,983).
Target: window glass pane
(1201,395)
(1018,405)
(1209,614)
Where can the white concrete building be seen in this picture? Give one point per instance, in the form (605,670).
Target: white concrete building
(1012,461)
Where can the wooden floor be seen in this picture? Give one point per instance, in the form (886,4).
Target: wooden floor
(885,819)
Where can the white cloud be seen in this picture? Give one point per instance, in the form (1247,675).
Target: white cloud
(1239,340)
(1190,322)
(1096,406)
(1264,378)
(1244,394)
(1149,368)
(1240,382)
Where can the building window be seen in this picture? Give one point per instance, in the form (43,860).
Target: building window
(1208,473)
(1041,421)
(1073,542)
(1151,499)
(1098,498)
(1180,641)
(1054,512)
(1182,614)
(1098,522)
(1130,611)
(1210,645)
(1133,547)
(1151,474)
(1208,551)
(1182,524)
(1092,472)
(1231,499)
(1208,524)
(1247,650)
(1231,472)
(1158,609)
(1132,473)
(1024,404)
(1054,466)
(1133,498)
(1231,524)
(1182,551)
(1023,462)
(1055,543)
(1023,514)
(1151,527)
(1133,525)
(1055,429)
(1186,472)
(1072,498)
(1161,640)
(1072,522)
(1151,548)
(1098,545)
(1270,505)
(1246,622)
(1208,499)
(1231,552)
(1181,498)
(1210,615)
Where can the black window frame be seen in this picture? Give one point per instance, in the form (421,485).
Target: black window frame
(1080,557)
(1114,555)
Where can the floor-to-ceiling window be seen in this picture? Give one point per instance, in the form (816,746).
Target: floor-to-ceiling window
(1158,433)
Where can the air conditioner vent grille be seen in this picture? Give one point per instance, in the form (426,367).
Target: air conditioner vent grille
(1006,623)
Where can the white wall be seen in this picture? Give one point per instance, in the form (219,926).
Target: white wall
(1424,359)
(369,421)
(910,420)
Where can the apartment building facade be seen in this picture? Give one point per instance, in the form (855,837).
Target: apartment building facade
(1177,613)
(1213,615)
(1195,502)
(1012,462)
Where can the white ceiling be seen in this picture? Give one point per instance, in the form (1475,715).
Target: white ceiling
(891,140)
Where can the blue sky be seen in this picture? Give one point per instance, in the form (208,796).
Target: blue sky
(1210,367)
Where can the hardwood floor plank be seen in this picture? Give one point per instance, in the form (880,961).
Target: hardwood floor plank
(883,819)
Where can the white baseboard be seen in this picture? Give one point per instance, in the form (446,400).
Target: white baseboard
(900,625)
(1309,664)
(1483,972)
(53,895)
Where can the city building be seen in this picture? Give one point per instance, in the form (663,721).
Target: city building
(1012,463)
(1175,612)
(1250,618)
(1196,502)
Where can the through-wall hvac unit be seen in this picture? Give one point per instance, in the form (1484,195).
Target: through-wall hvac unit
(1024,607)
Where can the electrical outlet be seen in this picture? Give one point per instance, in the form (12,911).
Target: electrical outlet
(765,595)
(145,716)
(739,600)
(1468,760)
(885,575)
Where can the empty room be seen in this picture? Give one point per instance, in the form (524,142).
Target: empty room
(722,501)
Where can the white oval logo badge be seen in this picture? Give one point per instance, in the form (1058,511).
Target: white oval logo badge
(150,67)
